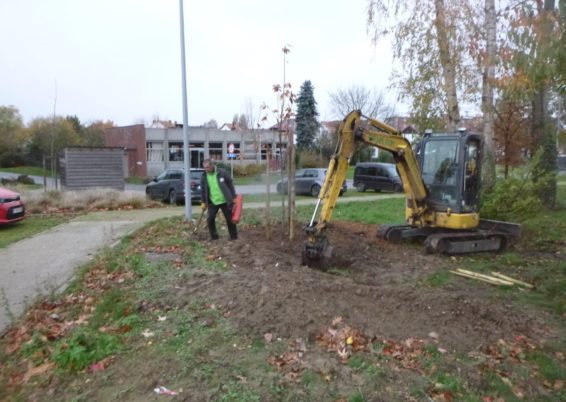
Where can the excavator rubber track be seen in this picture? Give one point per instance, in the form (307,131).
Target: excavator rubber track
(490,235)
(465,242)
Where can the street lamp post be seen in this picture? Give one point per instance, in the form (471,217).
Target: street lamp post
(187,155)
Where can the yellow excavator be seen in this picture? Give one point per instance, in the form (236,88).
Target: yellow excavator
(440,179)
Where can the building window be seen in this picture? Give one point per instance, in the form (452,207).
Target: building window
(176,152)
(215,150)
(154,151)
(237,154)
(249,150)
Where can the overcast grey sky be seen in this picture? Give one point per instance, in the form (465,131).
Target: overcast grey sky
(120,59)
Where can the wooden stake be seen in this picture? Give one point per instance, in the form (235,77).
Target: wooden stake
(483,278)
(477,274)
(516,281)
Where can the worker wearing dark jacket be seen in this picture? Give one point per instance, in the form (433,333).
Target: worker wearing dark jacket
(217,192)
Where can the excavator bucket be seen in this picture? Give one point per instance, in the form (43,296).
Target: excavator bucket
(317,253)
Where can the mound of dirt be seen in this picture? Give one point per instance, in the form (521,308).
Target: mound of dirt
(376,287)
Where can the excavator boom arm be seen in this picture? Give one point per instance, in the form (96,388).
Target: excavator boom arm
(354,130)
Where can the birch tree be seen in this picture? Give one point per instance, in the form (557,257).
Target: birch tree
(449,45)
(487,102)
(431,41)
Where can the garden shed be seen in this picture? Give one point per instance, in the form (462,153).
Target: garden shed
(89,167)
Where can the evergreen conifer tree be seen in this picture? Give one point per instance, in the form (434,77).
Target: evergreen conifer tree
(306,121)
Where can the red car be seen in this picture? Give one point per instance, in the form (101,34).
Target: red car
(12,208)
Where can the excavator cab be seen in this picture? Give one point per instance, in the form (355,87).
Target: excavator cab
(450,169)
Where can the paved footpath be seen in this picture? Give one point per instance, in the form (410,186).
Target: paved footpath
(45,263)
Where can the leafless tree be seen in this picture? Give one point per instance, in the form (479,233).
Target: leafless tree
(358,97)
(211,124)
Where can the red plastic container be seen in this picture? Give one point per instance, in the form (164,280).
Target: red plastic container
(237,208)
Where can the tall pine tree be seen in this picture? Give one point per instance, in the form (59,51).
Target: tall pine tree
(306,121)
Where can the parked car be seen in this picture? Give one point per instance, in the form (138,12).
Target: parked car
(169,186)
(12,208)
(377,176)
(307,181)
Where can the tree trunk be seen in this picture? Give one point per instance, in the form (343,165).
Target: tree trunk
(488,165)
(540,100)
(448,66)
(291,166)
(267,191)
(539,116)
(542,132)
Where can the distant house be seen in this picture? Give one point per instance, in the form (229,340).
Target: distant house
(230,127)
(329,127)
(164,124)
(287,126)
(402,124)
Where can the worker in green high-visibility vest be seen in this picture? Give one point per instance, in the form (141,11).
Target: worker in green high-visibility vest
(217,192)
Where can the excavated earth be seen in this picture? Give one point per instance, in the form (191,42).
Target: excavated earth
(379,288)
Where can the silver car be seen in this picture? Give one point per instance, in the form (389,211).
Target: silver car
(307,181)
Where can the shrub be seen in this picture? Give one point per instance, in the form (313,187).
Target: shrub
(255,169)
(11,159)
(512,199)
(85,200)
(516,198)
(222,165)
(25,179)
(239,171)
(252,169)
(385,157)
(311,159)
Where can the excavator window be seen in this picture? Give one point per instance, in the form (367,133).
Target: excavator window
(471,182)
(440,170)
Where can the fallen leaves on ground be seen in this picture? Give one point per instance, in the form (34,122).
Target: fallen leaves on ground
(407,353)
(342,339)
(100,365)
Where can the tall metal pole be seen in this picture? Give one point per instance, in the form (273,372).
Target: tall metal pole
(187,155)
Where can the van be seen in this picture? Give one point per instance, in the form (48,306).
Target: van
(377,176)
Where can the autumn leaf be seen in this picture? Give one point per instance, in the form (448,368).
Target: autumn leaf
(96,367)
(35,371)
(147,333)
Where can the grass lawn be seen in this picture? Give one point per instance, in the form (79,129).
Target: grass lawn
(28,170)
(129,324)
(137,180)
(30,226)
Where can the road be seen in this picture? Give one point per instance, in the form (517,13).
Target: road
(242,188)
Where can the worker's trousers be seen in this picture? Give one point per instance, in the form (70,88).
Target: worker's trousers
(211,220)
